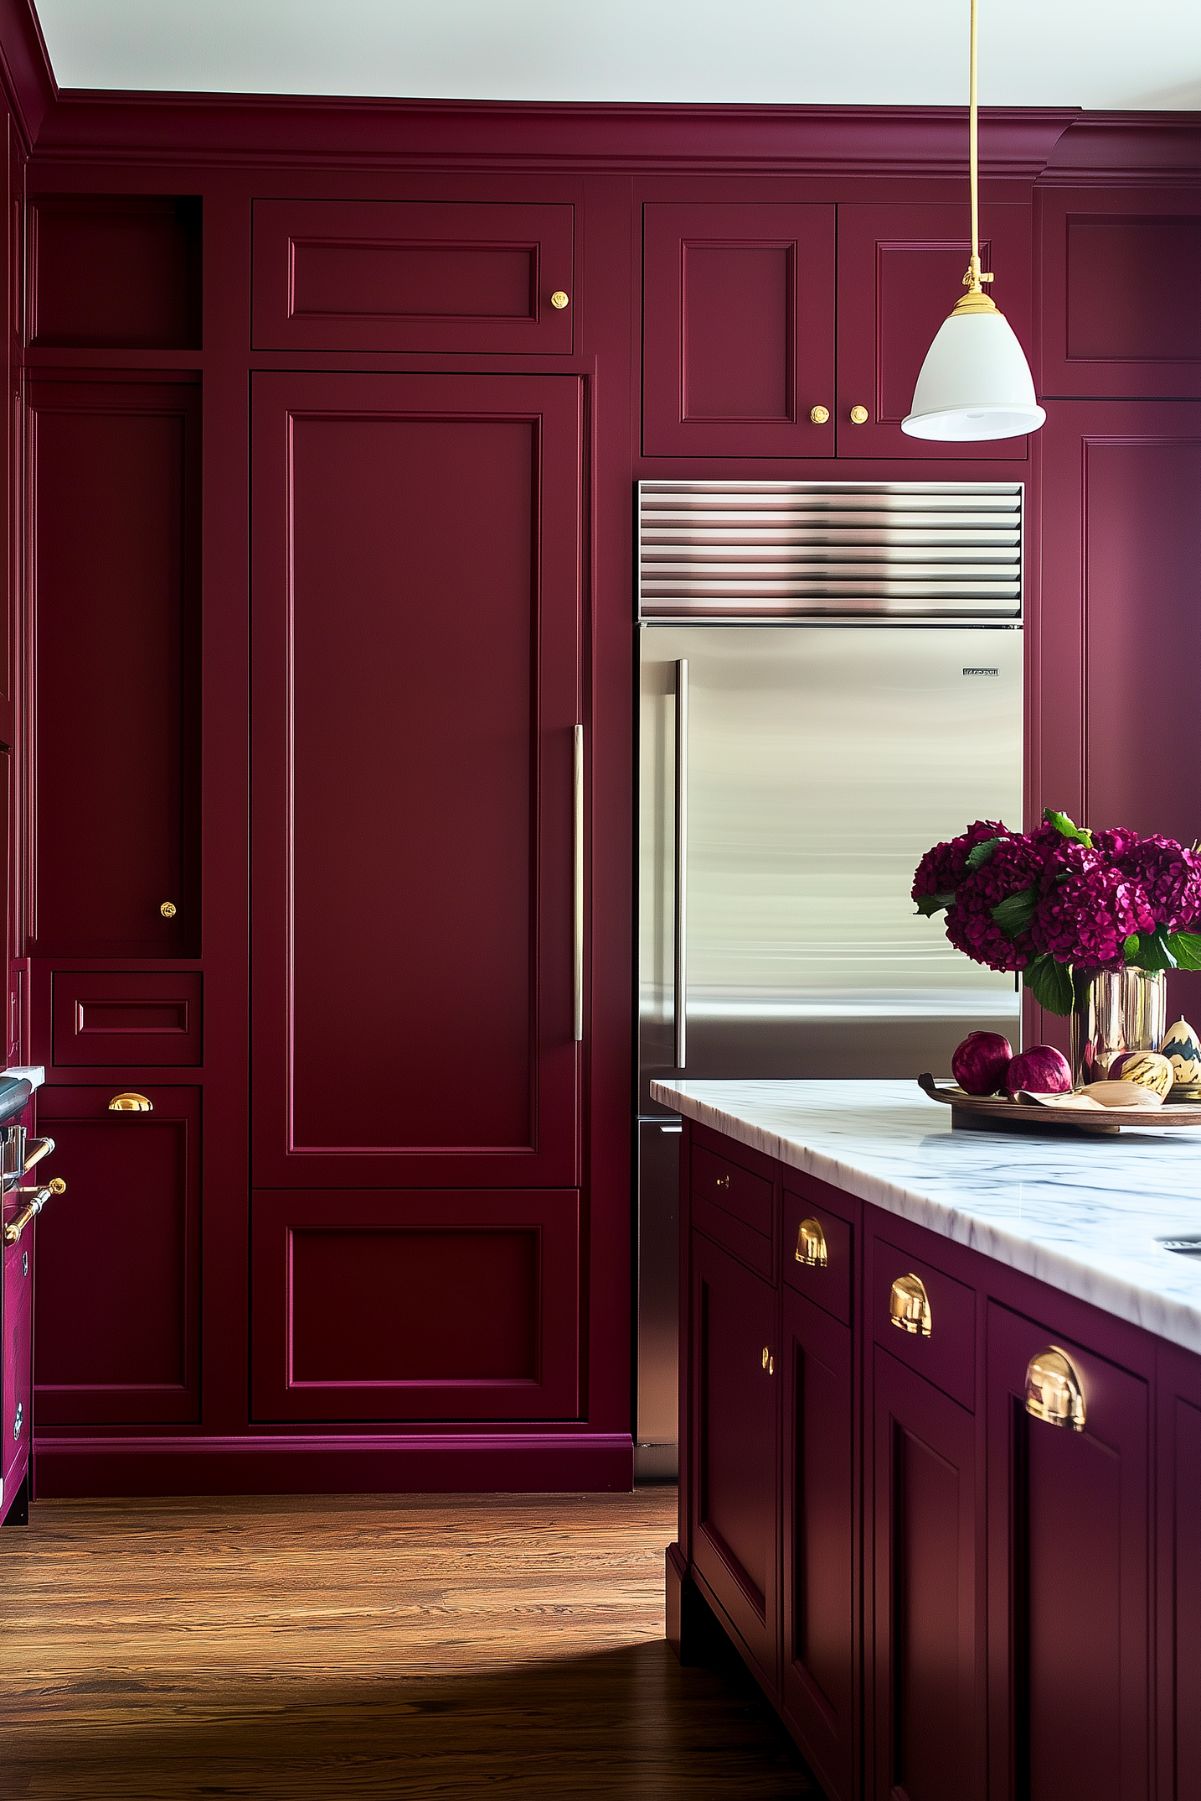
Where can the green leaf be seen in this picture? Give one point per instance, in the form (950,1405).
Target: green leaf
(979,854)
(1015,912)
(1130,947)
(1153,952)
(1067,828)
(1050,983)
(933,903)
(1186,948)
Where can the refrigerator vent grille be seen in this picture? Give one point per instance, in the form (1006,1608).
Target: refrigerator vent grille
(742,551)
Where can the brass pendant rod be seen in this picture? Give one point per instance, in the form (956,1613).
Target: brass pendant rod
(973,151)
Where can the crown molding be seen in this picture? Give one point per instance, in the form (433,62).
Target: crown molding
(25,71)
(1127,149)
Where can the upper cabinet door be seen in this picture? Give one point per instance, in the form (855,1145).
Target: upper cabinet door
(413,276)
(900,271)
(738,330)
(1120,275)
(416,611)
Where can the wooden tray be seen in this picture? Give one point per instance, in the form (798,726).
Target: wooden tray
(984,1113)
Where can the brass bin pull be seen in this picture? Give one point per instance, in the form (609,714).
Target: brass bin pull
(811,1245)
(129,1102)
(909,1306)
(32,1207)
(1054,1391)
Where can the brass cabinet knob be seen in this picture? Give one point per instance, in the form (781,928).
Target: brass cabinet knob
(819,415)
(559,299)
(909,1306)
(56,1185)
(765,1357)
(129,1102)
(1054,1392)
(859,415)
(771,1366)
(811,1245)
(168,909)
(721,1181)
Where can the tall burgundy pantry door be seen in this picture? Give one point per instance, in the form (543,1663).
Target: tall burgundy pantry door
(415,691)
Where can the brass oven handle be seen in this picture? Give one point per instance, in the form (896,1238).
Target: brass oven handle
(811,1248)
(129,1102)
(32,1207)
(909,1306)
(1054,1391)
(42,1147)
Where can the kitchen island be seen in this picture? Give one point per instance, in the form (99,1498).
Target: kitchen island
(941,1440)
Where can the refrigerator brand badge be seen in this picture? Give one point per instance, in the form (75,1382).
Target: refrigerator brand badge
(981,670)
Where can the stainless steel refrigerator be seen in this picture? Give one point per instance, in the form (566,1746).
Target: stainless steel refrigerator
(831,681)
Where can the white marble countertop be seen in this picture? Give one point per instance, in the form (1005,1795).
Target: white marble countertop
(1082,1214)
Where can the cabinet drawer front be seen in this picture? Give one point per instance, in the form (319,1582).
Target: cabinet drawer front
(811,1230)
(412,276)
(734,1189)
(394,1307)
(947,1356)
(16,1426)
(125,1018)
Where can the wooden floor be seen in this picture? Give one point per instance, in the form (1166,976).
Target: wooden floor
(301,1648)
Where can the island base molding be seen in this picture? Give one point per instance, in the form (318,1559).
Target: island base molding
(555,1463)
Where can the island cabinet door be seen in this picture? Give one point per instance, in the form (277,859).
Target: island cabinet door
(416,916)
(1178,1585)
(1068,1572)
(927,1594)
(820,1566)
(733,1382)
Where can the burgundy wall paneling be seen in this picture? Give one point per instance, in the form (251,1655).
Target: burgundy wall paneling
(1120,275)
(1178,1575)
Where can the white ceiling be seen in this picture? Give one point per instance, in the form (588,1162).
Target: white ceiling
(1093,53)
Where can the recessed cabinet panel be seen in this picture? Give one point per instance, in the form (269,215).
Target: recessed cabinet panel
(116,667)
(416,608)
(1121,273)
(738,330)
(412,276)
(115,271)
(119,1260)
(900,271)
(132,1017)
(417,1306)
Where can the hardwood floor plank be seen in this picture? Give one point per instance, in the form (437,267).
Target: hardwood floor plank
(307,1647)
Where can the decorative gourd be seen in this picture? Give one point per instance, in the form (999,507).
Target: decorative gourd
(1183,1052)
(1148,1068)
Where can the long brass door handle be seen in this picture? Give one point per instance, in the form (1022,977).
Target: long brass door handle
(33,1206)
(811,1248)
(1054,1391)
(909,1306)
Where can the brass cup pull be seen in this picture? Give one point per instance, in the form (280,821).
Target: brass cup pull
(129,1102)
(819,415)
(721,1181)
(29,1212)
(859,415)
(811,1245)
(1054,1392)
(559,299)
(909,1306)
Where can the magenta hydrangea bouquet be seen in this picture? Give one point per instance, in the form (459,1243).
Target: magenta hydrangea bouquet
(1061,898)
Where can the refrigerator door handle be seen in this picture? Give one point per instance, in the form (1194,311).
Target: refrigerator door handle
(577,884)
(681,871)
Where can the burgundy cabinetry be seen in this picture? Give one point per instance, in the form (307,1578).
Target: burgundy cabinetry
(416,616)
(734,1377)
(142,256)
(1120,271)
(119,1260)
(434,1306)
(1178,1585)
(927,1643)
(115,479)
(413,276)
(1069,1578)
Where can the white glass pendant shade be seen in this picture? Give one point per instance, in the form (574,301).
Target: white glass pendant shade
(975,382)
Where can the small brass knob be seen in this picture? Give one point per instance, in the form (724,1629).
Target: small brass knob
(765,1357)
(819,415)
(559,299)
(811,1249)
(859,415)
(56,1185)
(1054,1392)
(129,1102)
(721,1181)
(168,909)
(771,1366)
(909,1306)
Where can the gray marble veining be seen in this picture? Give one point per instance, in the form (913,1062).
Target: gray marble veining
(1082,1214)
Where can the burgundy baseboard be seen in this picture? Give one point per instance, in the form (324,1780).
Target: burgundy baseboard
(351,1464)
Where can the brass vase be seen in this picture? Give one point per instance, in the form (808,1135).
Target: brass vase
(1115,1011)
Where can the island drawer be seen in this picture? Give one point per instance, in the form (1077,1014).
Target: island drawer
(727,1185)
(818,1251)
(938,1338)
